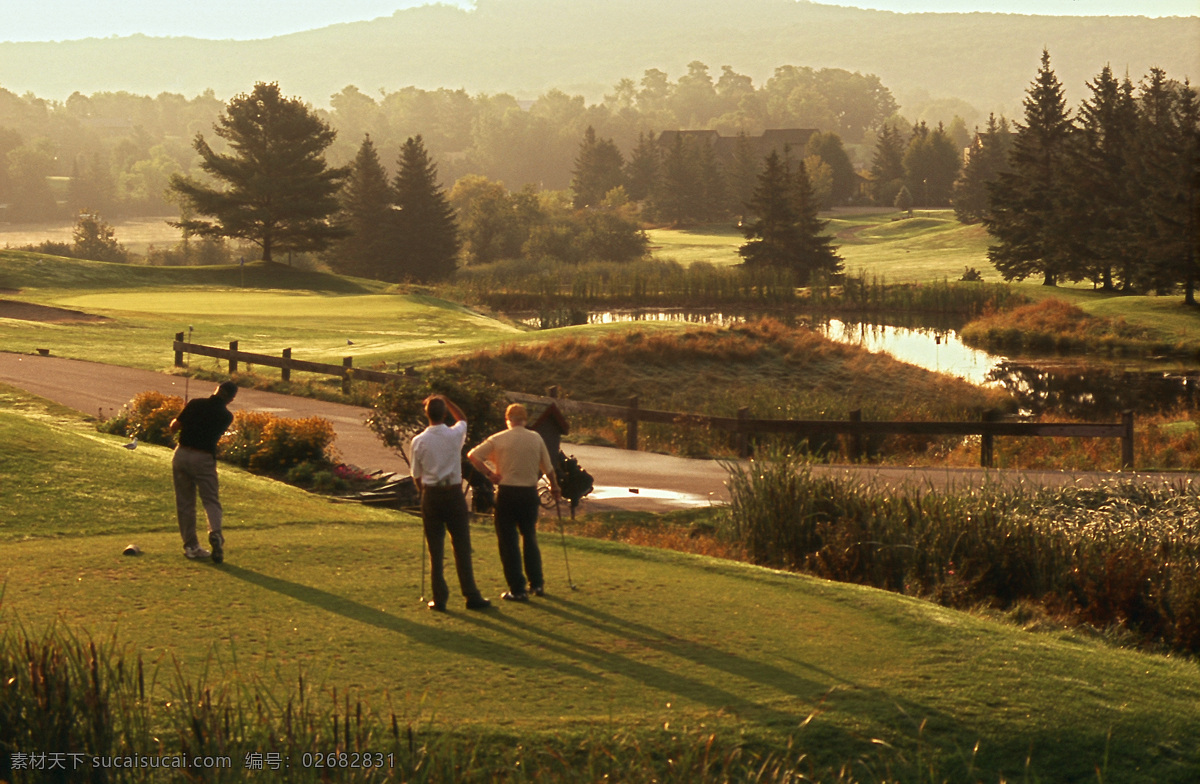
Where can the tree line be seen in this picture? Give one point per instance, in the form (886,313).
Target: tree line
(1110,194)
(114,153)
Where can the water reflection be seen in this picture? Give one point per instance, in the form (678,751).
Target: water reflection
(1090,392)
(1083,389)
(936,349)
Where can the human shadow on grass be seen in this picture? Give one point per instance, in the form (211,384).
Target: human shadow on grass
(669,682)
(809,690)
(463,643)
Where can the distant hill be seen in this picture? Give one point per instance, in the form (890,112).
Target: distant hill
(525,47)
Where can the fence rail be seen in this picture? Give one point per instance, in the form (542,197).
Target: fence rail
(742,426)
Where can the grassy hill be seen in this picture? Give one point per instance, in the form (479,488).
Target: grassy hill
(654,651)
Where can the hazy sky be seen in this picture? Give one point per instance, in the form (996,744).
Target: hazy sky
(58,20)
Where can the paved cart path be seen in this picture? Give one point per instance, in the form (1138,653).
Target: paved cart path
(624,480)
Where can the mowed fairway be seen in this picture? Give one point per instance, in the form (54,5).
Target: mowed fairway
(931,246)
(652,639)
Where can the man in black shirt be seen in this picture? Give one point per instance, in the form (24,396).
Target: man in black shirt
(200,425)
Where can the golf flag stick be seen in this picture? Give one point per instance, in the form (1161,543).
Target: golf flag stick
(563,535)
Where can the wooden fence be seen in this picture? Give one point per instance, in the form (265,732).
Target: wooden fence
(742,426)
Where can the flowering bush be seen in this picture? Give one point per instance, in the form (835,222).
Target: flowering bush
(147,417)
(265,443)
(258,441)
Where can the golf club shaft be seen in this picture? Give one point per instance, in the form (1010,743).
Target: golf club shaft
(563,536)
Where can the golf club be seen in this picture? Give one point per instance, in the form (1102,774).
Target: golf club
(563,535)
(423,566)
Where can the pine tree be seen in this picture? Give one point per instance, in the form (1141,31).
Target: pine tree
(1168,174)
(887,167)
(598,169)
(1103,193)
(426,237)
(986,160)
(644,167)
(369,250)
(277,190)
(1028,219)
(675,195)
(786,232)
(931,165)
(742,175)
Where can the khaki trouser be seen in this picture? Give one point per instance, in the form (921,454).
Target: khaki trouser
(195,470)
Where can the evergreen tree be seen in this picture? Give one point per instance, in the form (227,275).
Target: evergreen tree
(277,190)
(786,232)
(711,197)
(598,169)
(675,195)
(1028,219)
(1102,193)
(986,160)
(369,250)
(931,165)
(742,176)
(96,240)
(887,167)
(426,237)
(1168,174)
(644,167)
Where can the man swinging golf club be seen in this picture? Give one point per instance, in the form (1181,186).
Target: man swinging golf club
(520,458)
(437,473)
(200,426)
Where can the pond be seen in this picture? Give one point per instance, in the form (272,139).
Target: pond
(1078,387)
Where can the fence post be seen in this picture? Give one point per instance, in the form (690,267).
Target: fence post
(553,392)
(987,454)
(631,425)
(347,371)
(233,361)
(1127,440)
(856,441)
(743,436)
(178,351)
(286,372)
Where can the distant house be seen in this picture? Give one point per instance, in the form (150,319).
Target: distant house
(780,140)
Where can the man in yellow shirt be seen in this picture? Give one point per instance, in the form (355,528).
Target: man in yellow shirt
(518,458)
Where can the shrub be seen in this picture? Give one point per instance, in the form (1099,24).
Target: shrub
(267,444)
(399,409)
(147,417)
(258,441)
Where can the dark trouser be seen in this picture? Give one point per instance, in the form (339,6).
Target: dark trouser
(194,470)
(445,509)
(516,521)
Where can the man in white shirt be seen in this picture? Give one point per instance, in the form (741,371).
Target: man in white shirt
(437,472)
(518,458)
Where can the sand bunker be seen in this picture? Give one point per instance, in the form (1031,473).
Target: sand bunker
(28,311)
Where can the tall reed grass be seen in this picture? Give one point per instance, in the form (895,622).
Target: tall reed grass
(1122,555)
(555,288)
